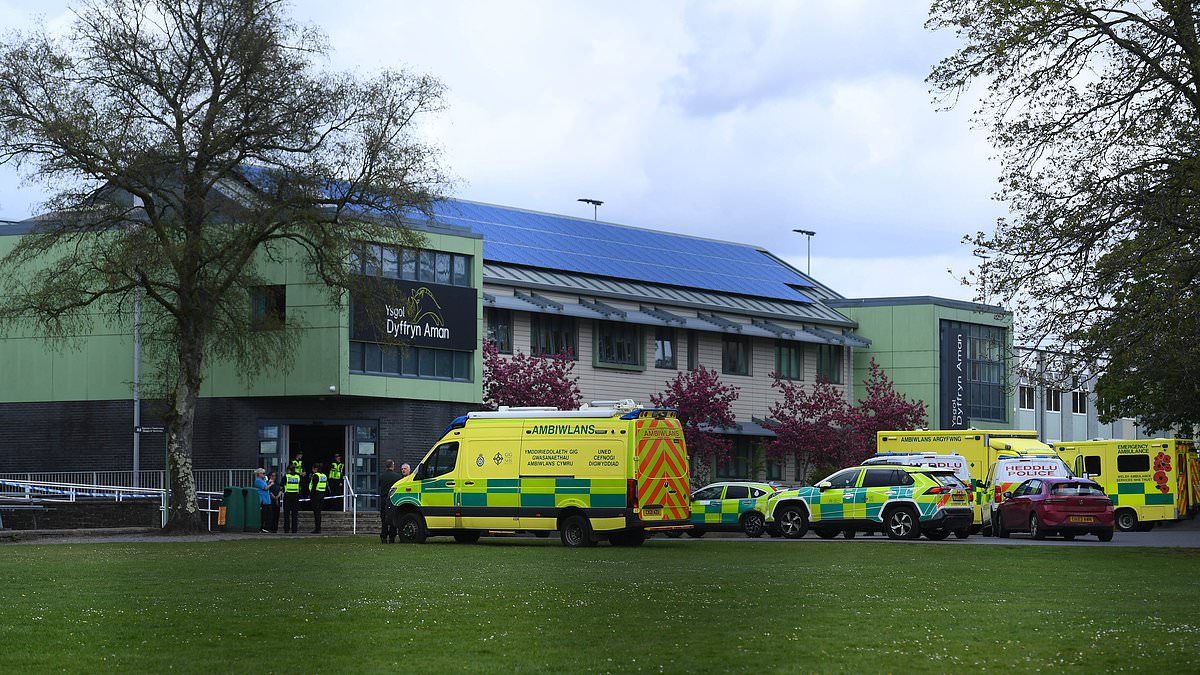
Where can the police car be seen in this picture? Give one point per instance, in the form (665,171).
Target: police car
(738,506)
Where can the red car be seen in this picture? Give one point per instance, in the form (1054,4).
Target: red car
(1067,506)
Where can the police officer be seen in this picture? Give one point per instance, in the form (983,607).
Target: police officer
(298,463)
(387,530)
(337,472)
(317,490)
(291,500)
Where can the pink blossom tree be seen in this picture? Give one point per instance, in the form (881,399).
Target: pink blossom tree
(524,380)
(704,404)
(810,424)
(881,408)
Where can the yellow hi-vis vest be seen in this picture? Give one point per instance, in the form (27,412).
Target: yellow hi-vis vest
(292,483)
(321,481)
(335,470)
(297,465)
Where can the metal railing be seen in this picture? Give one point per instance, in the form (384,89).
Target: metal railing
(207,480)
(34,491)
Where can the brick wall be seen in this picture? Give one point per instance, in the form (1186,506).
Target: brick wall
(97,435)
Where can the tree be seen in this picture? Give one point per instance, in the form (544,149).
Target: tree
(705,408)
(1095,107)
(524,380)
(881,408)
(191,140)
(810,424)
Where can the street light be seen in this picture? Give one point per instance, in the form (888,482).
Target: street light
(595,205)
(809,234)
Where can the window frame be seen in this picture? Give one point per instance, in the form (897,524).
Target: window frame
(609,338)
(831,363)
(739,342)
(782,346)
(1079,402)
(665,335)
(268,307)
(499,322)
(1021,397)
(551,325)
(1053,400)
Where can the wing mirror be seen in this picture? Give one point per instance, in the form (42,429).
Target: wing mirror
(1008,495)
(824,485)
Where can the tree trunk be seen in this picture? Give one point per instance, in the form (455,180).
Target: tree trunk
(184,516)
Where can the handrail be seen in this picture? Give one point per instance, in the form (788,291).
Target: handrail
(70,492)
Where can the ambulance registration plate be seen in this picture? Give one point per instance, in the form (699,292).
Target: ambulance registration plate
(1081,519)
(652,511)
(958,497)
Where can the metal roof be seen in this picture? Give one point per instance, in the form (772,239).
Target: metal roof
(549,241)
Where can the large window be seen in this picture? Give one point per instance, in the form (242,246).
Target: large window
(735,354)
(618,344)
(1026,397)
(738,462)
(789,361)
(829,363)
(974,369)
(551,335)
(268,307)
(664,347)
(436,267)
(1053,400)
(369,358)
(499,328)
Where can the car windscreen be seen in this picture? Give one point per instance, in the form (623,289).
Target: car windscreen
(947,478)
(1076,490)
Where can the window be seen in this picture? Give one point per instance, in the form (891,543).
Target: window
(498,324)
(879,478)
(737,492)
(1133,463)
(1091,465)
(789,363)
(710,492)
(755,493)
(1077,490)
(438,267)
(268,439)
(737,465)
(369,358)
(441,461)
(775,468)
(829,363)
(844,479)
(618,344)
(552,335)
(1053,400)
(664,347)
(693,355)
(735,354)
(268,307)
(974,363)
(1026,402)
(1079,402)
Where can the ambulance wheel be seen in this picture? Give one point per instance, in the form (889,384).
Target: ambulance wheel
(1127,520)
(793,522)
(468,537)
(410,529)
(825,533)
(962,533)
(1068,536)
(576,532)
(696,534)
(902,522)
(1036,530)
(1105,535)
(753,524)
(674,534)
(936,535)
(849,534)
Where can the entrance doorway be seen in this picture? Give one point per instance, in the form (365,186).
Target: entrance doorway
(318,442)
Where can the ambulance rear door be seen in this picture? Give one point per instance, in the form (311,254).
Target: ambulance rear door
(661,471)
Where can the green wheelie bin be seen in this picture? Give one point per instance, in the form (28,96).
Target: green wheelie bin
(253,519)
(233,504)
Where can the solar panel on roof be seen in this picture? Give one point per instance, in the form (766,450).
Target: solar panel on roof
(602,249)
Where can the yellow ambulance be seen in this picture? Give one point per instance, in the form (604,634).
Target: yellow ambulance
(611,470)
(979,447)
(1148,481)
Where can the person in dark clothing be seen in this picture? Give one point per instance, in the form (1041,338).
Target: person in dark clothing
(387,529)
(291,501)
(276,490)
(317,490)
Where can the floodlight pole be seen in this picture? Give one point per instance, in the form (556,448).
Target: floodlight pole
(595,206)
(809,234)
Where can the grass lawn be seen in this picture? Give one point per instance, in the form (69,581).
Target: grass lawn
(350,604)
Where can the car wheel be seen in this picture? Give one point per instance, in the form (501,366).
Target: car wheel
(753,524)
(468,537)
(825,533)
(1127,520)
(410,529)
(576,532)
(849,534)
(902,522)
(695,533)
(1035,527)
(674,534)
(1105,535)
(962,533)
(936,535)
(793,523)
(999,528)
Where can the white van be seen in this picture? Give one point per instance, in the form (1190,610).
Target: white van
(1007,473)
(955,463)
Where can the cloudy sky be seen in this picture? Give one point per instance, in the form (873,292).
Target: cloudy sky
(734,120)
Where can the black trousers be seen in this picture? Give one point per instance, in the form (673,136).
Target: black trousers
(291,512)
(387,529)
(335,490)
(272,521)
(317,500)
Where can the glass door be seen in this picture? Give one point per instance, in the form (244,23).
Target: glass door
(363,463)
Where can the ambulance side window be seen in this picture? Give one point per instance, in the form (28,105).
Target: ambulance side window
(1091,465)
(441,462)
(755,493)
(879,478)
(737,492)
(1133,463)
(713,492)
(844,479)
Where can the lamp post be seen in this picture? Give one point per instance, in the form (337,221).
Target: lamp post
(809,234)
(595,205)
